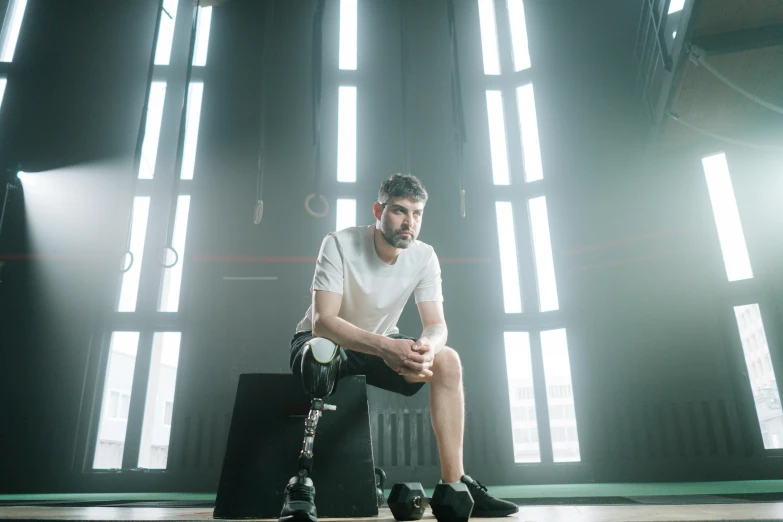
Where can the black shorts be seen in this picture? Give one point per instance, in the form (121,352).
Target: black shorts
(376,371)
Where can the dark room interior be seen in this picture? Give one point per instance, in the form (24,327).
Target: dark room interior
(596,324)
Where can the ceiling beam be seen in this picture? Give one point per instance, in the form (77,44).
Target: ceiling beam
(742,40)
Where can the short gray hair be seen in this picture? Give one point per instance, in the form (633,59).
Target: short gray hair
(402,186)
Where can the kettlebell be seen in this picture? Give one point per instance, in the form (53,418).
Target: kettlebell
(379,485)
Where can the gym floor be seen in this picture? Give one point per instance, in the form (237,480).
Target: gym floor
(705,501)
(756,512)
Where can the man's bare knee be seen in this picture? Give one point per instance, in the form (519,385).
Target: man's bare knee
(447,366)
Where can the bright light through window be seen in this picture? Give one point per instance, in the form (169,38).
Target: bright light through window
(489,37)
(149,147)
(166,32)
(497,138)
(509,270)
(524,423)
(172,277)
(130,279)
(11,26)
(727,219)
(202,36)
(516,17)
(116,400)
(528,130)
(3,82)
(346,134)
(155,432)
(348,27)
(192,118)
(560,396)
(346,213)
(762,375)
(676,5)
(542,247)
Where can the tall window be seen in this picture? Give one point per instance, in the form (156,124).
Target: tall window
(151,280)
(526,262)
(9,35)
(346,110)
(12,25)
(116,400)
(760,371)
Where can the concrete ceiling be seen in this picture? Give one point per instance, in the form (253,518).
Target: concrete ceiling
(703,100)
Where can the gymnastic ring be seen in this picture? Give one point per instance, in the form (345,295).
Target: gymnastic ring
(128,253)
(313,213)
(176,258)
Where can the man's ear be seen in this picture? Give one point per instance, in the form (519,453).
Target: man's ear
(377,210)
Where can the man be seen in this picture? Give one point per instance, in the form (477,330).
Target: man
(363,278)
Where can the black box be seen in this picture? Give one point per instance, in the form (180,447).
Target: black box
(265,439)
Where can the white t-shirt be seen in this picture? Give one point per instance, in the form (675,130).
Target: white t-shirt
(374,293)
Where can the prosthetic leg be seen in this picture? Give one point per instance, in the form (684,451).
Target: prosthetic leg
(320,370)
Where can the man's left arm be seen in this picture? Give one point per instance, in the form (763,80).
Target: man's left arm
(435,332)
(429,299)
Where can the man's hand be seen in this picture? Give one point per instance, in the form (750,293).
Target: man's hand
(401,356)
(424,348)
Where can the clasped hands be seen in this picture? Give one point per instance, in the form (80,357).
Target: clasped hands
(410,358)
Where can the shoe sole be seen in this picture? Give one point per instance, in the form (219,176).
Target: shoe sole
(298,517)
(492,514)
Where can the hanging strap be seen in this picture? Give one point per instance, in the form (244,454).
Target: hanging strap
(269,16)
(458,115)
(316,61)
(404,72)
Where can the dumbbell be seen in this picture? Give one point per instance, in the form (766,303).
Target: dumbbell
(452,502)
(407,501)
(449,502)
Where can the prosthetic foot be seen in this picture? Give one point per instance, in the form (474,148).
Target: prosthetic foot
(320,372)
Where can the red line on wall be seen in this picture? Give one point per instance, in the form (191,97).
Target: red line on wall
(50,257)
(211,259)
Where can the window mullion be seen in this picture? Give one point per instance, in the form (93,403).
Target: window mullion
(138,398)
(542,403)
(513,136)
(527,267)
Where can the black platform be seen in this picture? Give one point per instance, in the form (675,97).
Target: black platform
(265,439)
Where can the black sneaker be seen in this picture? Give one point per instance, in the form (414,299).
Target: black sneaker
(299,505)
(485,505)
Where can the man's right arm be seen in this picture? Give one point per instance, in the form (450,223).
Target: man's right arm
(326,324)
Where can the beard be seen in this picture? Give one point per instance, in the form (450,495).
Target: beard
(395,238)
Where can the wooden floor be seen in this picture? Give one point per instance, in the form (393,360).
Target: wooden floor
(755,511)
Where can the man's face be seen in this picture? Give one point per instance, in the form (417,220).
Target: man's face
(401,221)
